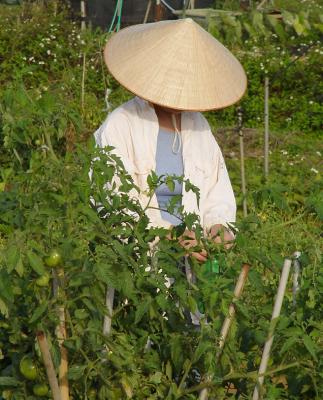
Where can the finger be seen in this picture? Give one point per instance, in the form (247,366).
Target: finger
(214,231)
(188,235)
(188,243)
(201,257)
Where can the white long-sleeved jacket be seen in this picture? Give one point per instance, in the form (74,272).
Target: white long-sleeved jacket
(132,129)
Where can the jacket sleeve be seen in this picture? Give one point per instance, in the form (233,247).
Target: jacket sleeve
(115,132)
(220,204)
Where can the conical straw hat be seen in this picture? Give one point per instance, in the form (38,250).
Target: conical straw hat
(175,64)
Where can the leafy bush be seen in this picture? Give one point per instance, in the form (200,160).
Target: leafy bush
(48,208)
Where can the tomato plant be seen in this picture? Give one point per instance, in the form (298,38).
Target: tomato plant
(60,255)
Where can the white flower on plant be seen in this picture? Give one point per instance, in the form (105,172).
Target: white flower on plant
(311,102)
(284,152)
(291,97)
(168,281)
(41,62)
(160,270)
(164,315)
(48,52)
(314,170)
(41,45)
(148,269)
(319,153)
(157,290)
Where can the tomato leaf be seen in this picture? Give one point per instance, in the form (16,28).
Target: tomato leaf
(8,381)
(76,372)
(36,263)
(310,346)
(40,310)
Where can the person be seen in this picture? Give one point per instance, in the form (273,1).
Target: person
(176,70)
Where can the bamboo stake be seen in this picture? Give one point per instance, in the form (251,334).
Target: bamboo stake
(63,367)
(237,293)
(61,336)
(270,338)
(49,366)
(266,149)
(109,305)
(296,272)
(147,11)
(83,15)
(83,82)
(242,166)
(228,320)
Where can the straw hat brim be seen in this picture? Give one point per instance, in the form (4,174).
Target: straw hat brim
(175,64)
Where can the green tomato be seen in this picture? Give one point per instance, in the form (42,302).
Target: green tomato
(40,389)
(54,259)
(28,369)
(43,280)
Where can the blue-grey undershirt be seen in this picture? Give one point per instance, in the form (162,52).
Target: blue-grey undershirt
(168,163)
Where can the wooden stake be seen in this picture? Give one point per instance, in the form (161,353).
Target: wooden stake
(83,15)
(49,366)
(63,367)
(227,322)
(147,11)
(266,141)
(242,166)
(270,338)
(108,318)
(61,335)
(296,273)
(83,82)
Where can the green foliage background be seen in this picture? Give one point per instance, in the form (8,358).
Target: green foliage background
(53,83)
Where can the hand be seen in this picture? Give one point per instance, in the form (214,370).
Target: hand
(188,240)
(220,234)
